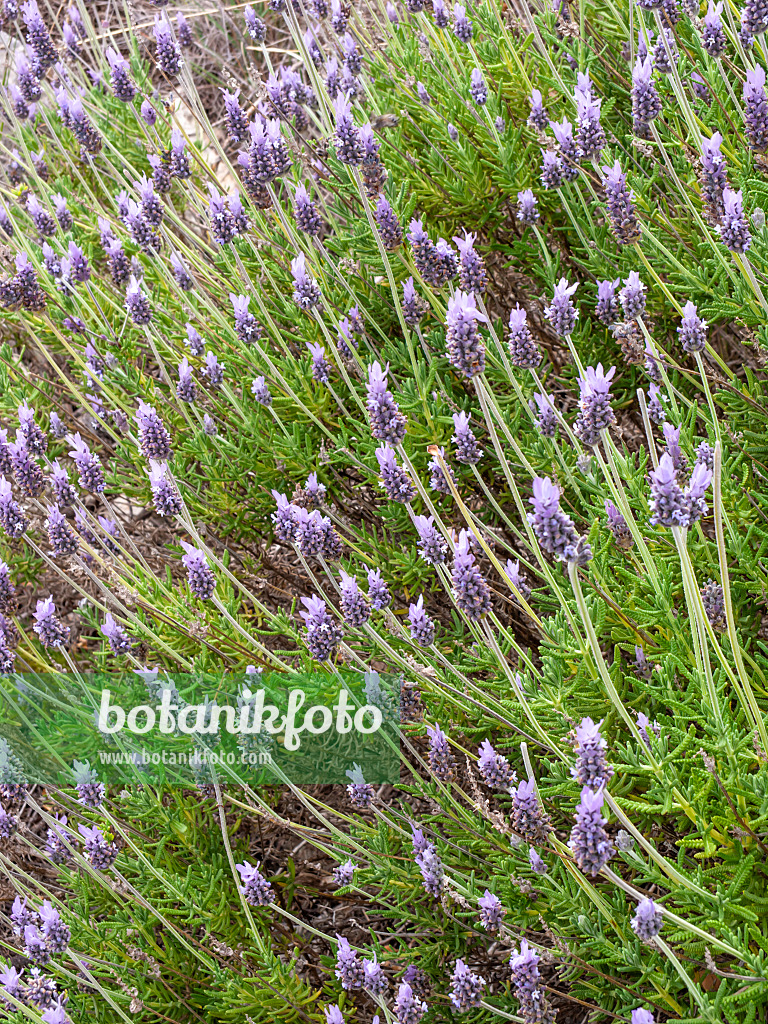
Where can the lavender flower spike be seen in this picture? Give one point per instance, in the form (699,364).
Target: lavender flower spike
(523,350)
(494,767)
(538,117)
(526,978)
(422,626)
(409,1008)
(590,843)
(591,767)
(733,227)
(621,209)
(50,629)
(467,450)
(491,911)
(648,920)
(465,348)
(466,988)
(713,36)
(323,635)
(441,760)
(595,412)
(527,207)
(528,817)
(632,296)
(200,579)
(554,529)
(756,110)
(306,292)
(646,103)
(431,545)
(255,888)
(617,524)
(670,505)
(394,478)
(692,330)
(470,591)
(387,422)
(561,312)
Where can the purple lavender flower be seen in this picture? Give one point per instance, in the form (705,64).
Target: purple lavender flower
(632,296)
(307,219)
(646,103)
(466,988)
(359,791)
(344,873)
(528,816)
(621,209)
(478,90)
(713,34)
(389,226)
(29,475)
(546,420)
(55,846)
(595,412)
(538,117)
(518,579)
(431,545)
(472,273)
(491,911)
(186,389)
(255,889)
(409,1008)
(655,408)
(554,529)
(413,306)
(561,312)
(714,605)
(648,920)
(7,591)
(590,136)
(467,450)
(137,303)
(641,1016)
(200,579)
(437,479)
(700,88)
(617,524)
(375,980)
(247,327)
(148,113)
(465,348)
(441,761)
(181,274)
(607,306)
(665,49)
(60,534)
(48,626)
(494,767)
(21,916)
(178,166)
(387,422)
(321,368)
(421,625)
(470,591)
(527,207)
(756,110)
(378,591)
(523,349)
(306,293)
(527,982)
(154,439)
(34,946)
(591,767)
(436,262)
(323,635)
(733,227)
(692,330)
(590,843)
(164,492)
(570,153)
(91,475)
(214,370)
(394,479)
(284,519)
(43,221)
(167,53)
(120,643)
(255,27)
(8,822)
(537,864)
(346,137)
(120,79)
(349,970)
(355,607)
(38,37)
(261,392)
(12,519)
(120,271)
